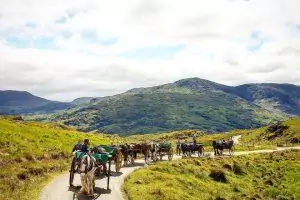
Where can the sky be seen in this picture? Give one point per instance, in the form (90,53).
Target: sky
(65,49)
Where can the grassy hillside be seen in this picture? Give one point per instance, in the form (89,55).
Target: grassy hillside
(285,133)
(265,176)
(31,153)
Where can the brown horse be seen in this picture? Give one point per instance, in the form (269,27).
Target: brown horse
(144,149)
(118,158)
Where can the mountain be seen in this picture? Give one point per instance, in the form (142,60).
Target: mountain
(185,104)
(81,100)
(22,102)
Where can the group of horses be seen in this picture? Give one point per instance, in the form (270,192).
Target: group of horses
(148,150)
(127,153)
(187,149)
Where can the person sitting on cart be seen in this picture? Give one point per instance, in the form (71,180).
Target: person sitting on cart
(85,147)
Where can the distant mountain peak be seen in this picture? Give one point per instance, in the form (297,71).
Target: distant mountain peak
(199,84)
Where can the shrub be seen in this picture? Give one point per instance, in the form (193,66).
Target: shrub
(218,175)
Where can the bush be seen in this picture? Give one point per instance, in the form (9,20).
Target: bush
(218,175)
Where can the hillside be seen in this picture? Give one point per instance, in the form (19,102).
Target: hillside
(21,102)
(261,176)
(81,100)
(186,104)
(31,153)
(285,133)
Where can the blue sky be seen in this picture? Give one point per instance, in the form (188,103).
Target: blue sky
(109,47)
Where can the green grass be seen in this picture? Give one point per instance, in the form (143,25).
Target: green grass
(266,176)
(31,153)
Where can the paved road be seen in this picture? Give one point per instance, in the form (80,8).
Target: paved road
(59,189)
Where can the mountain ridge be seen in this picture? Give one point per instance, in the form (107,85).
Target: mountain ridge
(185,104)
(23,102)
(191,103)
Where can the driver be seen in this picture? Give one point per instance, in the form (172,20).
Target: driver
(85,147)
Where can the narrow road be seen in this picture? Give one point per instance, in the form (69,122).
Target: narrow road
(59,189)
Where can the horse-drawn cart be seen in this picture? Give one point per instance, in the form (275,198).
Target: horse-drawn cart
(165,149)
(101,160)
(188,149)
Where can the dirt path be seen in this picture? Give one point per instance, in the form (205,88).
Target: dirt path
(59,189)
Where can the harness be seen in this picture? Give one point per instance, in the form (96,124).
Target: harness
(88,168)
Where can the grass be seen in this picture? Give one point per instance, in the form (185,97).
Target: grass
(31,153)
(264,176)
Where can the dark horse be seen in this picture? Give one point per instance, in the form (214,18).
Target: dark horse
(219,146)
(190,148)
(128,154)
(143,148)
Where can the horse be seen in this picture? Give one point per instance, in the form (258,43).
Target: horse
(190,148)
(143,148)
(127,152)
(87,170)
(117,158)
(154,148)
(221,145)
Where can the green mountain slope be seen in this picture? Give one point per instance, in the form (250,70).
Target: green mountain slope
(186,104)
(22,102)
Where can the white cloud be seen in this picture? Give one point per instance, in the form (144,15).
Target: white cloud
(215,35)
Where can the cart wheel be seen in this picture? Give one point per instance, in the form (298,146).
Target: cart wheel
(72,172)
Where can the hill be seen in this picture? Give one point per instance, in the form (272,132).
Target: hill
(286,133)
(259,176)
(185,104)
(22,102)
(31,153)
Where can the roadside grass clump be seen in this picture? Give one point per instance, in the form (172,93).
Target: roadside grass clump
(32,153)
(259,176)
(218,175)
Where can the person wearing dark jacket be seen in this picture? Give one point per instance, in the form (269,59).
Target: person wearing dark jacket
(85,147)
